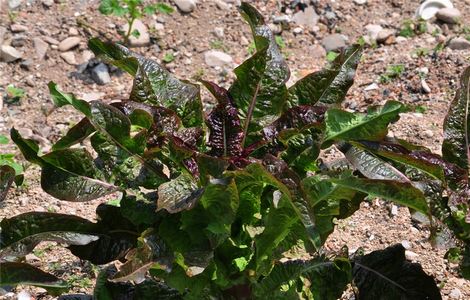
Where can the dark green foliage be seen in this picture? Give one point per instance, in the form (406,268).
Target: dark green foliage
(210,203)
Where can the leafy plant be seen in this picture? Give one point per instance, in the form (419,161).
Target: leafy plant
(392,72)
(411,28)
(131,10)
(10,170)
(168,57)
(14,94)
(210,203)
(331,56)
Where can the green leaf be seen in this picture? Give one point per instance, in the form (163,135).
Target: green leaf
(342,125)
(456,144)
(153,83)
(112,7)
(7,176)
(75,135)
(329,86)
(178,194)
(139,209)
(60,99)
(13,273)
(3,140)
(400,192)
(386,274)
(328,278)
(261,79)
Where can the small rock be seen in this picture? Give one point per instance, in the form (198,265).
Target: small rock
(222,5)
(48,3)
(18,28)
(18,41)
(216,58)
(9,54)
(371,87)
(317,52)
(69,43)
(26,64)
(360,2)
(406,244)
(449,15)
(100,74)
(138,41)
(297,30)
(394,210)
(50,40)
(425,86)
(401,39)
(14,4)
(41,48)
(24,295)
(410,255)
(92,96)
(459,44)
(455,294)
(219,32)
(284,19)
(373,31)
(428,133)
(185,6)
(31,257)
(69,57)
(307,17)
(86,56)
(73,31)
(384,34)
(159,27)
(334,42)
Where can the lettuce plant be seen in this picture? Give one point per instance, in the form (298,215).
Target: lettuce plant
(212,203)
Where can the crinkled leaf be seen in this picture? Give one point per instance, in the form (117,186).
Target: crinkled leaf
(263,76)
(75,135)
(343,125)
(139,209)
(13,273)
(386,274)
(178,194)
(400,192)
(226,132)
(329,86)
(328,278)
(7,176)
(154,84)
(456,144)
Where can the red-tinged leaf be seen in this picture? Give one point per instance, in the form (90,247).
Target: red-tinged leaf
(297,117)
(226,132)
(456,145)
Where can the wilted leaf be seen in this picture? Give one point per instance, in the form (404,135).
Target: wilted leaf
(386,274)
(329,86)
(456,145)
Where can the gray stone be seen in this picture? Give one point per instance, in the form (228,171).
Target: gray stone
(143,39)
(371,87)
(449,15)
(222,5)
(69,57)
(384,35)
(394,210)
(47,3)
(425,86)
(41,48)
(373,31)
(360,2)
(26,64)
(100,74)
(185,6)
(334,42)
(459,44)
(73,31)
(284,19)
(9,54)
(406,244)
(69,43)
(307,18)
(14,4)
(24,295)
(455,294)
(219,32)
(18,40)
(159,27)
(216,58)
(18,28)
(50,40)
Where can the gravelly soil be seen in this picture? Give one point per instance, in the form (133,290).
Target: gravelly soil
(187,37)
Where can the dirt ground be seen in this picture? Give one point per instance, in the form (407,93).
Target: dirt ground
(186,37)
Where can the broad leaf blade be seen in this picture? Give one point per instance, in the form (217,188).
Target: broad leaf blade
(12,273)
(226,132)
(178,194)
(75,135)
(342,125)
(7,176)
(456,144)
(329,86)
(386,274)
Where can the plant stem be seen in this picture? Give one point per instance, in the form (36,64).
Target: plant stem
(129,30)
(250,113)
